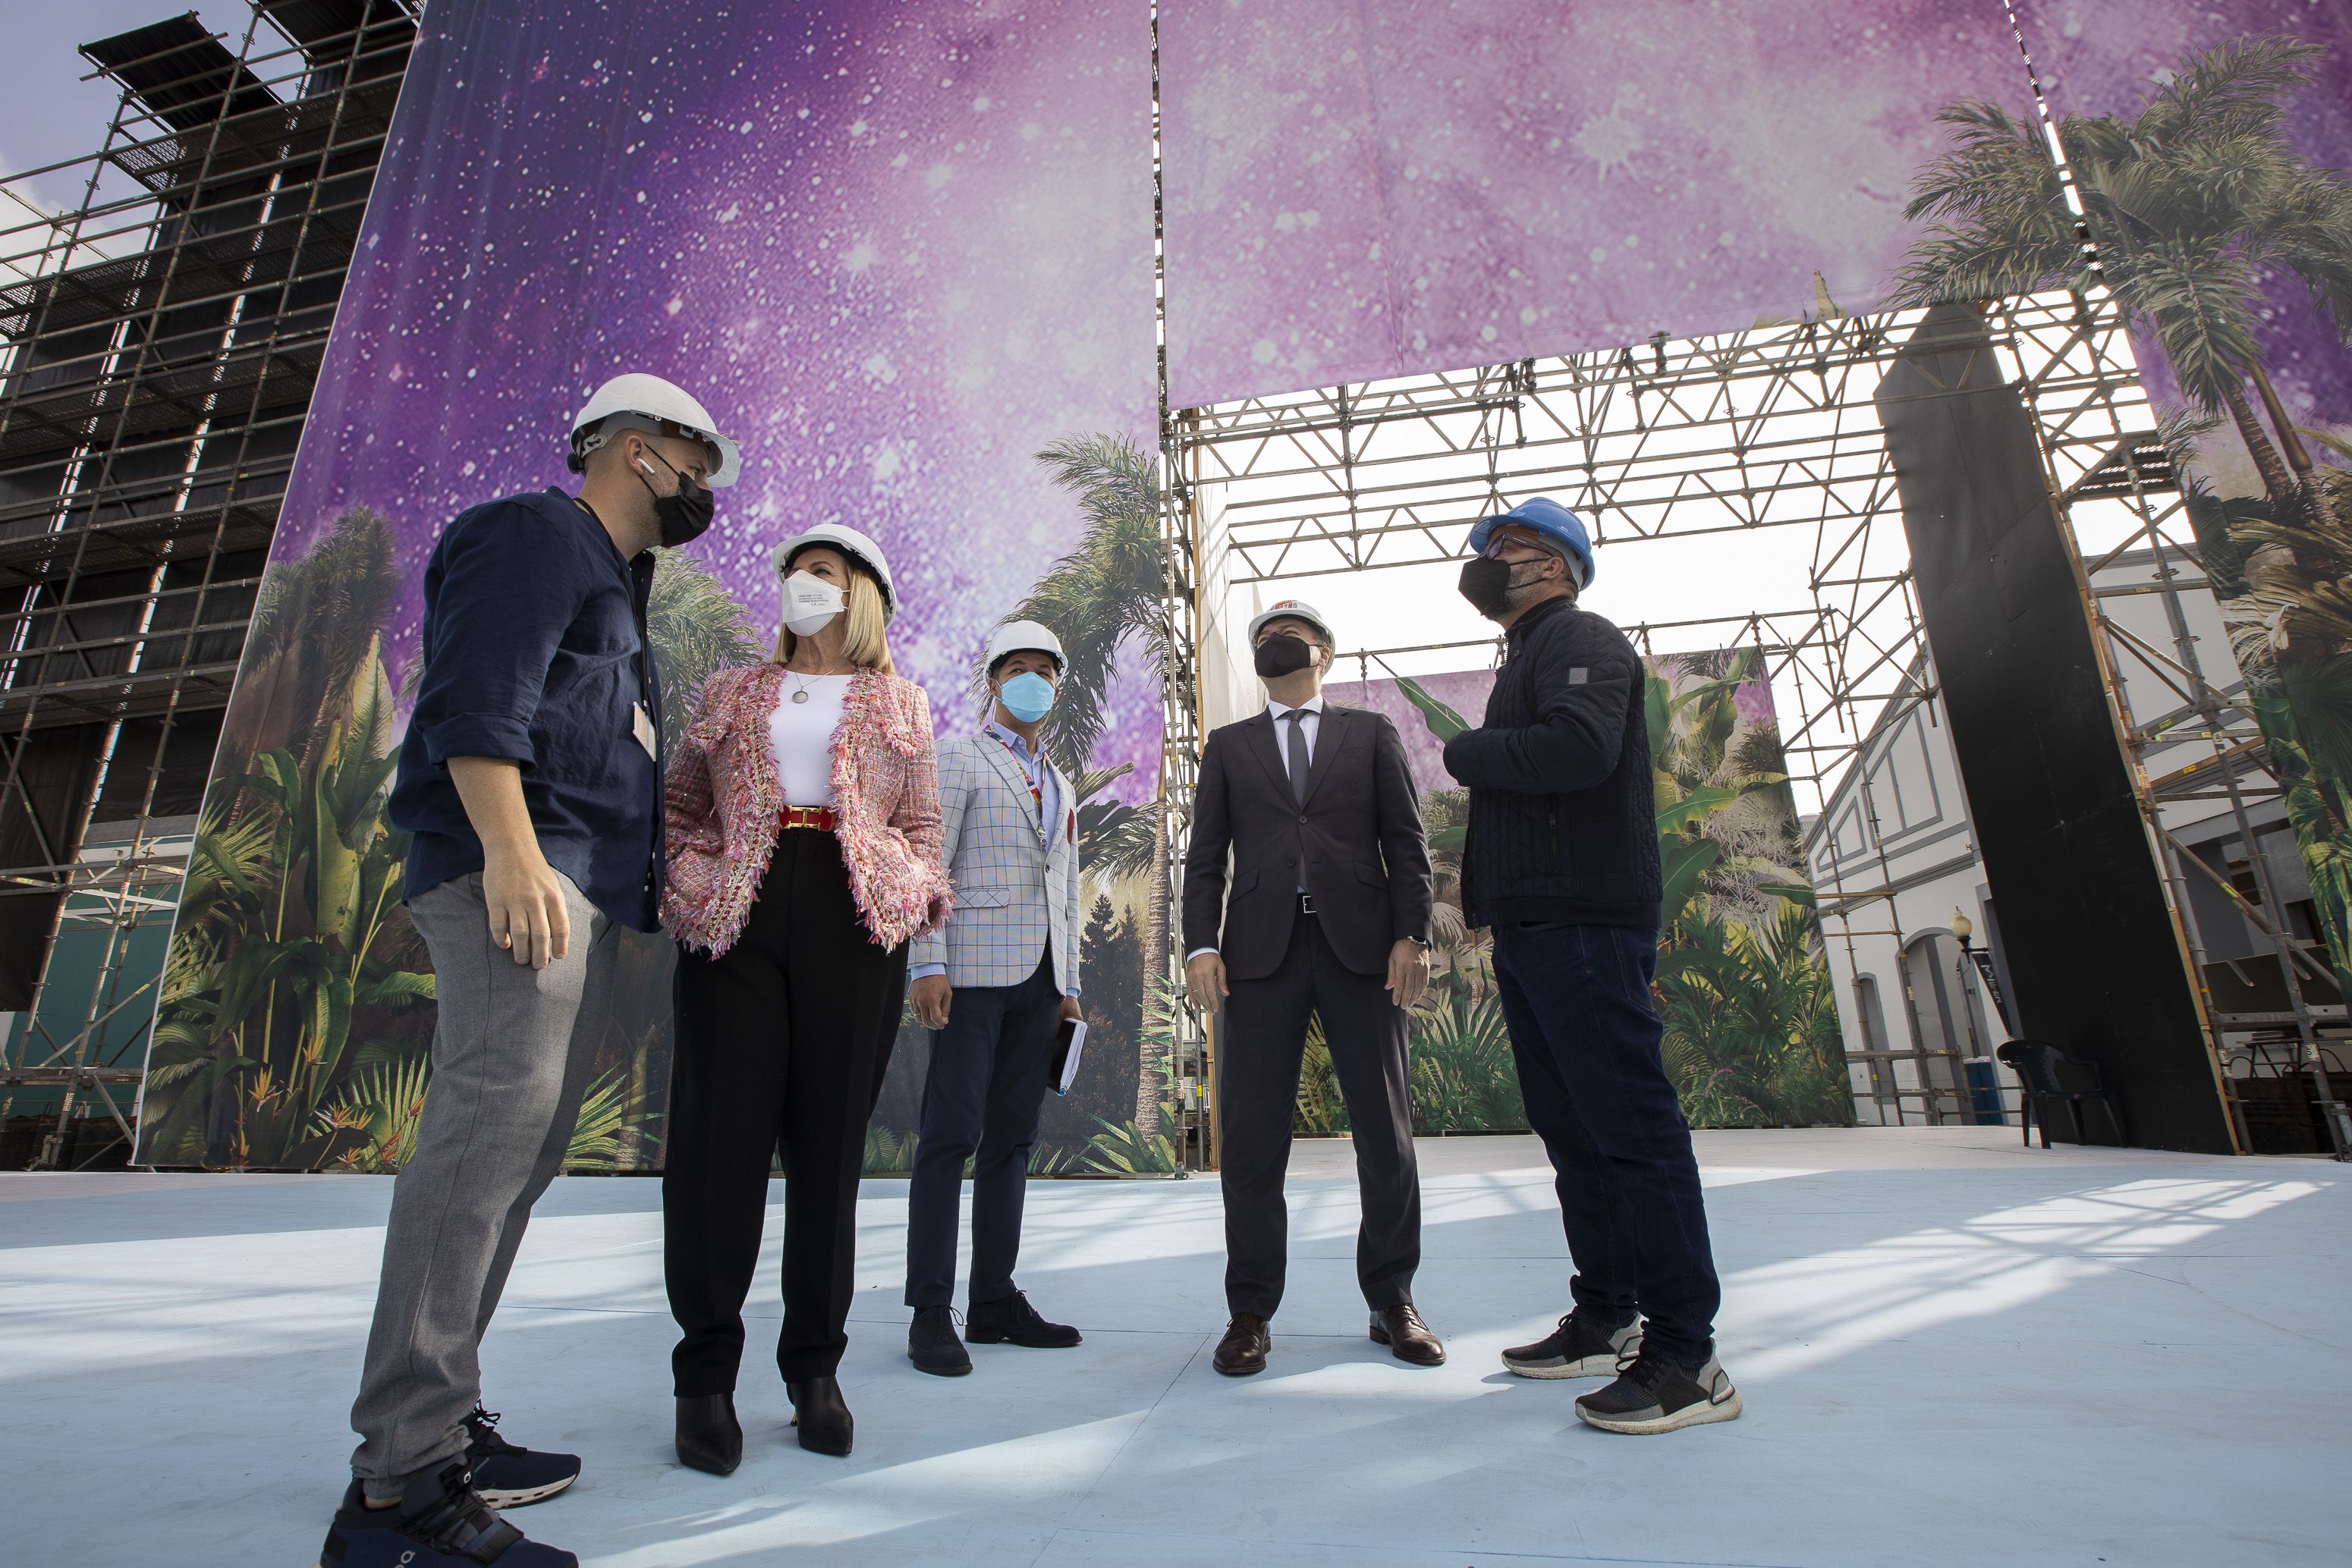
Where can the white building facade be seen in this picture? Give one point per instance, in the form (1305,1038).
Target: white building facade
(1911,927)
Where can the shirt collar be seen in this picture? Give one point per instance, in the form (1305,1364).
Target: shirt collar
(1019,745)
(1313,705)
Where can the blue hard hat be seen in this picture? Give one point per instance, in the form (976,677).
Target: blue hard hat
(1555,522)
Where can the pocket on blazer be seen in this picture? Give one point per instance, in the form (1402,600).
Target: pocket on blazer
(1242,884)
(1372,876)
(983,897)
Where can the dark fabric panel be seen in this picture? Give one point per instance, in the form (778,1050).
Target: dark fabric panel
(44,802)
(179,785)
(2095,962)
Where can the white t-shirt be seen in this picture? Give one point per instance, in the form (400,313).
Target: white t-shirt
(800,736)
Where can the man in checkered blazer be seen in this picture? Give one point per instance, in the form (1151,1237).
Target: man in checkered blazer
(994,986)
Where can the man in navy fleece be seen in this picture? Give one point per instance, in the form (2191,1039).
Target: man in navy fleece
(1563,863)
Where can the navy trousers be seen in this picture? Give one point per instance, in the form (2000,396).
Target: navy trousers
(1585,1035)
(980,1103)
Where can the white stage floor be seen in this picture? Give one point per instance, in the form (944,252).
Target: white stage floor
(1952,1352)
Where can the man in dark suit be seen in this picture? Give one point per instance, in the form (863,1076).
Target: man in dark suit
(1328,914)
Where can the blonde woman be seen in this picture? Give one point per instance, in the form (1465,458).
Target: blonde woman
(804,853)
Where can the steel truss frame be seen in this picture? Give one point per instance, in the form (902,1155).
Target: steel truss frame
(160,346)
(1770,428)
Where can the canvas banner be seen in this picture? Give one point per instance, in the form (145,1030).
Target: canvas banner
(904,255)
(1366,188)
(1743,985)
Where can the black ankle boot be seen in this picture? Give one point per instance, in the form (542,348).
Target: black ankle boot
(709,1435)
(821,1415)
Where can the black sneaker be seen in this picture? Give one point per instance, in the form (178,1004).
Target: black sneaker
(1013,1320)
(507,1475)
(1580,1347)
(1658,1394)
(441,1522)
(932,1345)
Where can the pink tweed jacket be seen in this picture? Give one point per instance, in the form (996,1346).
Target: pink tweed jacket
(723,798)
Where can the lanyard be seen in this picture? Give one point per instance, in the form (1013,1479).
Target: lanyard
(1037,794)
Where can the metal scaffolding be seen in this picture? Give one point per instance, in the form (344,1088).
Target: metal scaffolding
(1773,428)
(162,340)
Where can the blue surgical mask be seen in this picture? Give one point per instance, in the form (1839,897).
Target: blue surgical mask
(1028,696)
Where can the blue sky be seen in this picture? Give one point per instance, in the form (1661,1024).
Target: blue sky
(47,112)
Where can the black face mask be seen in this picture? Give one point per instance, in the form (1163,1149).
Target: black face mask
(1282,654)
(1487,583)
(686,516)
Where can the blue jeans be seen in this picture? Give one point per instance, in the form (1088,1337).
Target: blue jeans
(1585,1035)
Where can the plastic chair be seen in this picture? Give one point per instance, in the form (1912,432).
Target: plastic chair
(2047,1072)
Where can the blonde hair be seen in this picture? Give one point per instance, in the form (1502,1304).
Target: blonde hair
(861,642)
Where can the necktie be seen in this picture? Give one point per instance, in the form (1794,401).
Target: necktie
(1297,718)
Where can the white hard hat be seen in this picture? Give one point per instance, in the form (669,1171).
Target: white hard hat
(1297,610)
(1025,637)
(639,402)
(849,542)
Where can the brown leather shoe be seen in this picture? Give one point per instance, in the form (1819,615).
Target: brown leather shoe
(1242,1349)
(1408,1338)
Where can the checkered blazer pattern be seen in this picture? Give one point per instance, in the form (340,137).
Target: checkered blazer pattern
(1012,887)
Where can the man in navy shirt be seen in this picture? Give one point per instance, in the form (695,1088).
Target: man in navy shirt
(530,780)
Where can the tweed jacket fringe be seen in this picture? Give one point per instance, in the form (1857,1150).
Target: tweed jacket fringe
(724,801)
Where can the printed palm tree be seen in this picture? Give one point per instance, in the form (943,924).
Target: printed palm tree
(313,621)
(2190,202)
(1108,590)
(697,628)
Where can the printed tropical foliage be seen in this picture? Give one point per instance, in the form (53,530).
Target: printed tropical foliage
(2194,203)
(1751,1027)
(1107,596)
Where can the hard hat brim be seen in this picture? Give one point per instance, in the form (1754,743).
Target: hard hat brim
(1312,617)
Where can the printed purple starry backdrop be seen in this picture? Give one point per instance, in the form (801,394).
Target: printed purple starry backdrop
(1366,188)
(896,249)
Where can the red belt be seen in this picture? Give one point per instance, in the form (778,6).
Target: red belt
(821,818)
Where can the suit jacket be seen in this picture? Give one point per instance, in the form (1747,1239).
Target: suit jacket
(1015,884)
(1357,845)
(724,801)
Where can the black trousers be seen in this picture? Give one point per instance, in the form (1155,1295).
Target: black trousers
(1257,1096)
(783,1039)
(980,1103)
(1586,1038)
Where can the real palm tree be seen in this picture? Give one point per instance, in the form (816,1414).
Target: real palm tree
(1108,590)
(2189,202)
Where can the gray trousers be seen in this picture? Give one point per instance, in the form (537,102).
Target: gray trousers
(511,1054)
